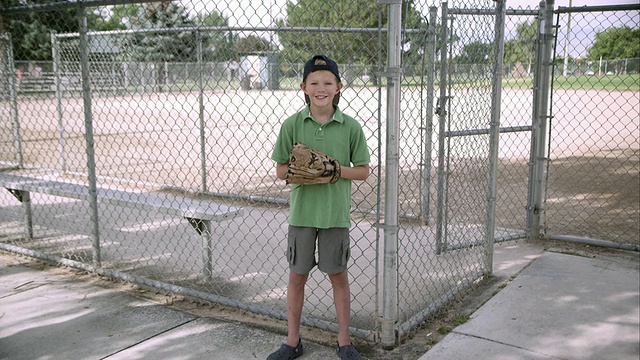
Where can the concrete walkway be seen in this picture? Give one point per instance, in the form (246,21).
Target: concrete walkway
(46,315)
(557,306)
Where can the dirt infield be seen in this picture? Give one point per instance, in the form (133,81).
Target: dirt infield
(592,189)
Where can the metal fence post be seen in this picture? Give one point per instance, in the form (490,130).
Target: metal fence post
(428,130)
(88,125)
(13,95)
(494,133)
(540,117)
(55,51)
(441,111)
(390,275)
(565,69)
(203,153)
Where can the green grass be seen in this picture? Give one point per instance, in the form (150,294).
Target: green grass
(460,319)
(594,82)
(457,320)
(607,83)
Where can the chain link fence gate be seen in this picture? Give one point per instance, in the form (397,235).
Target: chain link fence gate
(451,245)
(592,191)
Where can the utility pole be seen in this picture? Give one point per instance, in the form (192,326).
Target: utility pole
(566,44)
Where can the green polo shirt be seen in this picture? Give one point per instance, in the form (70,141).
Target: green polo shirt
(322,206)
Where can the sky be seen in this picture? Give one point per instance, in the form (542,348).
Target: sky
(262,13)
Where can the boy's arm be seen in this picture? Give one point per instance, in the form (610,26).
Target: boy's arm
(354,173)
(281,170)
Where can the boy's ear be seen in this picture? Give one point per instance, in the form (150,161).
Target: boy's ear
(336,98)
(303,86)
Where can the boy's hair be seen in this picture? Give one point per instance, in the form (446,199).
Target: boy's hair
(320,62)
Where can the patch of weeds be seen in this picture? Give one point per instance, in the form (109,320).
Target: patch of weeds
(444,330)
(460,319)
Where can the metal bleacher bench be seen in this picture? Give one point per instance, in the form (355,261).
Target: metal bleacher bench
(198,212)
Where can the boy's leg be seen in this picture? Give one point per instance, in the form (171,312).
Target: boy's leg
(301,256)
(333,256)
(295,301)
(342,302)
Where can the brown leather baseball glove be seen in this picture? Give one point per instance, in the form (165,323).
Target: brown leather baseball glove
(310,166)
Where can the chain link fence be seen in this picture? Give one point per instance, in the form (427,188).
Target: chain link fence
(594,138)
(180,103)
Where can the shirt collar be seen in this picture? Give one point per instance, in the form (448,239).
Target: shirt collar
(337,115)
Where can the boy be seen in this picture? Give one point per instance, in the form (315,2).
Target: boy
(320,211)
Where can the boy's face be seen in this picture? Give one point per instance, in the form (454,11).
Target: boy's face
(321,87)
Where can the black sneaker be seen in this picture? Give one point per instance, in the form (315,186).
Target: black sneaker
(287,352)
(348,352)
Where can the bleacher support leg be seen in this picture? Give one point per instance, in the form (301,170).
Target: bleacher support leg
(203,227)
(25,199)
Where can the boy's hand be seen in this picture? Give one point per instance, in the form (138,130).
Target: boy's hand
(309,166)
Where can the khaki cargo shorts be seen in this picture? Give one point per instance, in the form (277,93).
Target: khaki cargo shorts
(333,249)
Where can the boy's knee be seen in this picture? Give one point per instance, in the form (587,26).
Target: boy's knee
(296,279)
(340,278)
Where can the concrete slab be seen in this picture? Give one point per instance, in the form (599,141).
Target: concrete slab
(207,338)
(561,306)
(57,318)
(511,258)
(44,315)
(459,346)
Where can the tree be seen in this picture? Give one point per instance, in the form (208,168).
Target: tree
(253,44)
(162,46)
(221,44)
(616,43)
(31,32)
(523,47)
(115,18)
(476,53)
(345,47)
(416,56)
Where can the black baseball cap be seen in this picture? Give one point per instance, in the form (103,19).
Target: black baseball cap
(311,66)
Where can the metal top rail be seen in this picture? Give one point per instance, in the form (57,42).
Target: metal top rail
(578,9)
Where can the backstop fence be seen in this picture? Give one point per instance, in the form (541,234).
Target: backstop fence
(479,133)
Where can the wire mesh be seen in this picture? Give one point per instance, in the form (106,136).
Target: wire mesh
(188,105)
(592,179)
(515,122)
(460,160)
